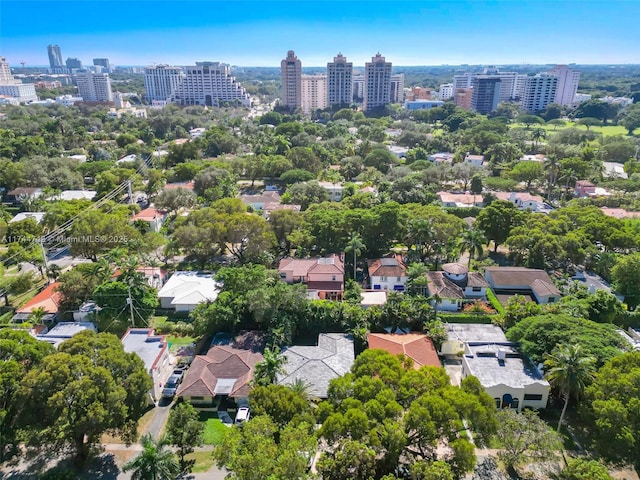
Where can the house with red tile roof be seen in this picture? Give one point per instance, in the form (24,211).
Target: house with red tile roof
(152,217)
(48,299)
(389,273)
(225,371)
(324,276)
(417,346)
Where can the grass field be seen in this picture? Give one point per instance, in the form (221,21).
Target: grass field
(177,342)
(214,429)
(204,461)
(608,130)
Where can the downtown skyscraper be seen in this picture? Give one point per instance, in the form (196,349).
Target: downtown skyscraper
(377,83)
(339,82)
(55,56)
(291,81)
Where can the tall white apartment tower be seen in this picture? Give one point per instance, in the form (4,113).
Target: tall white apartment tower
(445,91)
(396,84)
(358,88)
(6,78)
(291,81)
(209,84)
(377,84)
(339,82)
(568,80)
(94,87)
(161,81)
(539,91)
(314,93)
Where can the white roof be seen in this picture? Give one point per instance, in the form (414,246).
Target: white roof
(128,158)
(190,288)
(77,195)
(373,298)
(37,216)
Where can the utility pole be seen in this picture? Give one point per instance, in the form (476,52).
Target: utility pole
(129,192)
(130,302)
(44,259)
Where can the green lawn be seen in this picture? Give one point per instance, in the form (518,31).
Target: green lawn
(214,429)
(177,342)
(608,130)
(204,461)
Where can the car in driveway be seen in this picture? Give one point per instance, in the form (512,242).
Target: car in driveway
(242,415)
(171,387)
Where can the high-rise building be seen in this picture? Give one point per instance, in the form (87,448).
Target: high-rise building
(55,56)
(73,63)
(568,80)
(161,81)
(94,87)
(446,91)
(511,83)
(539,91)
(210,84)
(314,93)
(102,62)
(291,81)
(18,91)
(339,82)
(358,88)
(463,80)
(486,93)
(377,86)
(396,83)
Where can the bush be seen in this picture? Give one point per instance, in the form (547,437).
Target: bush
(495,303)
(467,318)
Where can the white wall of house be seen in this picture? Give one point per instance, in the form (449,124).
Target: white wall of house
(479,292)
(388,283)
(532,396)
(448,304)
(544,299)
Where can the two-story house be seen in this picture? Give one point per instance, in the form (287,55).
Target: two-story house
(454,284)
(324,277)
(387,274)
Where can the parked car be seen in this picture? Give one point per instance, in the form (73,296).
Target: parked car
(242,415)
(171,387)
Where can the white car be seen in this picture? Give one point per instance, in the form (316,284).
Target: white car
(242,415)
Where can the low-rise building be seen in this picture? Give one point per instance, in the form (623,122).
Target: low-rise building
(64,331)
(455,284)
(20,194)
(225,372)
(151,216)
(45,302)
(318,365)
(584,188)
(441,157)
(376,298)
(258,201)
(522,281)
(524,201)
(185,290)
(416,346)
(154,351)
(37,216)
(398,151)
(335,190)
(388,273)
(324,277)
(460,199)
(422,104)
(475,160)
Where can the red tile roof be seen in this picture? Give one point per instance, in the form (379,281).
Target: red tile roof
(387,267)
(148,214)
(48,299)
(416,346)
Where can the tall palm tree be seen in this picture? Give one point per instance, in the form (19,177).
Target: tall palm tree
(156,462)
(355,245)
(416,278)
(537,135)
(472,241)
(266,372)
(552,167)
(570,371)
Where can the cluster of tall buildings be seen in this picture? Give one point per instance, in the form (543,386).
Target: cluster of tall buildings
(72,63)
(339,86)
(206,83)
(483,92)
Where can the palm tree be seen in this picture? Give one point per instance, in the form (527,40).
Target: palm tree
(472,241)
(416,277)
(570,371)
(355,245)
(266,372)
(303,388)
(156,462)
(552,166)
(37,315)
(537,135)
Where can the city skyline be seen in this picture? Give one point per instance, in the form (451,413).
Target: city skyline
(260,33)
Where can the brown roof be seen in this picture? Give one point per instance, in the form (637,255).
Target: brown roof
(233,361)
(619,213)
(538,280)
(476,279)
(48,299)
(272,206)
(416,346)
(584,183)
(387,267)
(265,197)
(330,264)
(442,286)
(301,267)
(173,186)
(455,268)
(326,286)
(23,191)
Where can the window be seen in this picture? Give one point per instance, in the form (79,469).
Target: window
(552,299)
(283,274)
(497,400)
(532,397)
(197,399)
(477,289)
(515,403)
(333,277)
(383,279)
(399,279)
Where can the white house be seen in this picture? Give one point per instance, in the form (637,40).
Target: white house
(476,160)
(454,284)
(184,290)
(388,274)
(335,190)
(152,217)
(398,151)
(37,216)
(460,199)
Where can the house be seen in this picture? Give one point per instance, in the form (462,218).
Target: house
(154,352)
(196,132)
(335,190)
(127,159)
(258,201)
(614,170)
(324,277)
(441,157)
(533,158)
(318,365)
(37,216)
(454,284)
(156,277)
(153,217)
(47,299)
(225,371)
(460,199)
(507,376)
(69,195)
(64,331)
(20,194)
(388,273)
(184,290)
(398,151)
(524,201)
(584,188)
(372,299)
(475,160)
(523,281)
(619,213)
(417,346)
(176,185)
(272,207)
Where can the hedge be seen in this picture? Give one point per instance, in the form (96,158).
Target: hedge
(468,318)
(495,303)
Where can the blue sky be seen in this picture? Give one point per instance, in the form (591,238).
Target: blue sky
(260,32)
